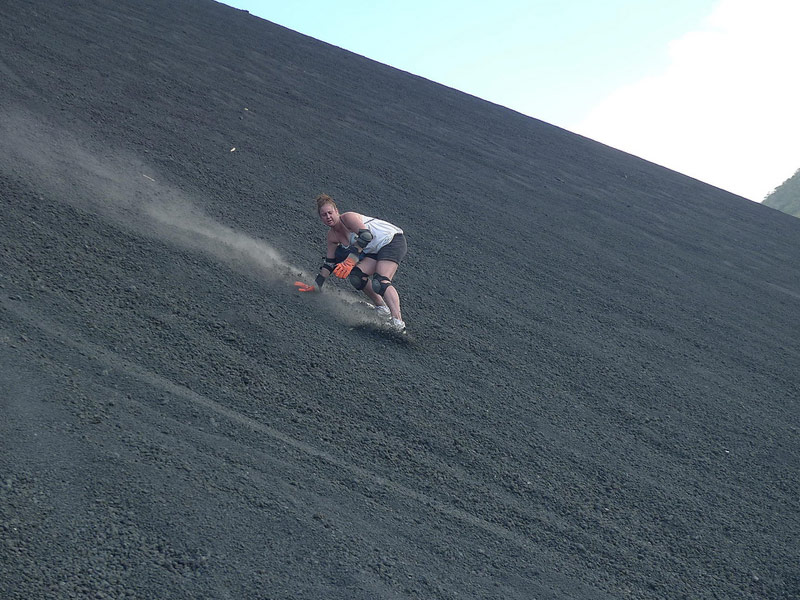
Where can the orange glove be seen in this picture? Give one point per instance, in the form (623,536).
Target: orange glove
(304,287)
(343,269)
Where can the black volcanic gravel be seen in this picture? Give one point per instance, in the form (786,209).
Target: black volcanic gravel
(598,398)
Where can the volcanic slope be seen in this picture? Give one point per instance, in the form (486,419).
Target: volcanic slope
(598,400)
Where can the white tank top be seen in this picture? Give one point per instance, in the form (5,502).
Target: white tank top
(382,233)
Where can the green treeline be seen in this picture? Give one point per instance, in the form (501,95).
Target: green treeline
(786,197)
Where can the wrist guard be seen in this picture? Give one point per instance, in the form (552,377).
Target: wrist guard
(329,264)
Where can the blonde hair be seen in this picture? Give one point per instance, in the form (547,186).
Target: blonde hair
(324,199)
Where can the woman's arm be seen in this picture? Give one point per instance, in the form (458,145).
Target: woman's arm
(325,269)
(354,222)
(330,260)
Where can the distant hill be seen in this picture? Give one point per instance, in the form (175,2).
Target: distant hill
(786,196)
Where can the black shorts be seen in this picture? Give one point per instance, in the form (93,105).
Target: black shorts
(394,251)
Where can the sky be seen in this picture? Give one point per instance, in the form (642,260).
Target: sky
(704,87)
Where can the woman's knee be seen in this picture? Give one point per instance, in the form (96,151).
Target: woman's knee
(380,283)
(358,278)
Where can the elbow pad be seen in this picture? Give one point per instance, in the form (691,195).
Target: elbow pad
(364,237)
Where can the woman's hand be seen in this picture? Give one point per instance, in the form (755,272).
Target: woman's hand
(343,269)
(304,287)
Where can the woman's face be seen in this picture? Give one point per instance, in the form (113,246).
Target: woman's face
(329,214)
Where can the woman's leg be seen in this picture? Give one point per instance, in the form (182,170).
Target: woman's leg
(388,268)
(367,266)
(376,299)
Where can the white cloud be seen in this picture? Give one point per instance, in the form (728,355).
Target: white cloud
(726,108)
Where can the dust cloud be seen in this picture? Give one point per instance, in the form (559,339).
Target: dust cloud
(126,191)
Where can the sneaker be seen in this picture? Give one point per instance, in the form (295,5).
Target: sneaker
(397,324)
(383,311)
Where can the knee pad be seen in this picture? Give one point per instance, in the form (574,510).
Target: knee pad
(357,278)
(380,283)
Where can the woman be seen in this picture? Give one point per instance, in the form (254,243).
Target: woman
(360,247)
